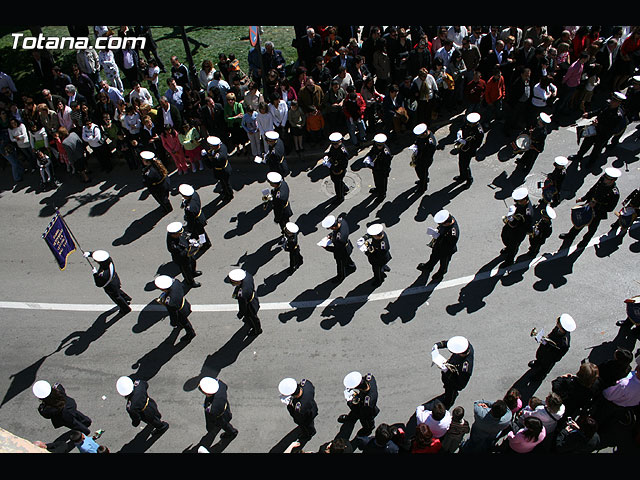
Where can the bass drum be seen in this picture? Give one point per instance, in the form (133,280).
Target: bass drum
(581,216)
(522,143)
(627,216)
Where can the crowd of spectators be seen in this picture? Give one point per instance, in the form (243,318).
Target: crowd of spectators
(355,80)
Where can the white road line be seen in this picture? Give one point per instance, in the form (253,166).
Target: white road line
(284,306)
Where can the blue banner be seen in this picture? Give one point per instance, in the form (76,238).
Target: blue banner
(59,239)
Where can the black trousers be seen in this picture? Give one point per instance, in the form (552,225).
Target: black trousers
(339,186)
(380,180)
(464,165)
(119,297)
(295,258)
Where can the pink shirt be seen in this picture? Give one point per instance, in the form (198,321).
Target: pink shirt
(573,75)
(520,444)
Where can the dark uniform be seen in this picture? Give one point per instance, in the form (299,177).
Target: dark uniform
(341,247)
(179,308)
(363,406)
(552,186)
(378,253)
(107,278)
(632,202)
(338,164)
(182,253)
(218,160)
(248,303)
(443,247)
(282,211)
(62,410)
(217,411)
(539,234)
(381,158)
(195,220)
(473,135)
(142,408)
(423,158)
(603,196)
(291,245)
(609,121)
(456,377)
(515,229)
(158,185)
(538,135)
(549,353)
(275,158)
(303,408)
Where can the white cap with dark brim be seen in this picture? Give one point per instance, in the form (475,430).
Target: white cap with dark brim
(441,216)
(473,117)
(380,138)
(545,118)
(375,229)
(174,227)
(209,385)
(292,227)
(237,275)
(562,161)
(274,177)
(352,380)
(124,386)
(287,386)
(551,213)
(567,322)
(335,137)
(100,255)
(419,129)
(329,221)
(457,344)
(147,155)
(186,190)
(41,389)
(612,172)
(271,135)
(163,282)
(520,193)
(213,141)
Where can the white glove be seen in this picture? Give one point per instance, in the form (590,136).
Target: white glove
(86,254)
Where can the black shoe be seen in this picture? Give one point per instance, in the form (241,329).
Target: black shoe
(161,430)
(621,323)
(424,267)
(532,364)
(197,273)
(230,435)
(437,276)
(188,337)
(457,178)
(343,418)
(386,268)
(255,332)
(125,310)
(195,285)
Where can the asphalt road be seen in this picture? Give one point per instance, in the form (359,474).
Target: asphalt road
(58,326)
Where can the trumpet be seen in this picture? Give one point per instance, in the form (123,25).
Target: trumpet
(543,339)
(162,298)
(459,146)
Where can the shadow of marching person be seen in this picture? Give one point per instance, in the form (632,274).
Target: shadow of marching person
(555,268)
(287,440)
(142,442)
(409,301)
(306,302)
(140,227)
(479,287)
(151,362)
(245,221)
(432,203)
(78,342)
(342,309)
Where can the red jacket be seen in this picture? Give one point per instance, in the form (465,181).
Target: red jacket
(361,107)
(494,90)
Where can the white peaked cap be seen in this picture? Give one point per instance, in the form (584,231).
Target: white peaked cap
(380,138)
(441,216)
(287,386)
(211,140)
(419,129)
(619,96)
(562,161)
(375,229)
(41,389)
(551,213)
(292,227)
(612,172)
(335,137)
(186,190)
(457,344)
(147,155)
(274,177)
(520,193)
(124,386)
(473,117)
(329,221)
(352,380)
(567,322)
(209,385)
(100,255)
(174,227)
(237,275)
(545,117)
(163,282)
(271,135)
